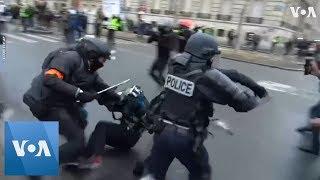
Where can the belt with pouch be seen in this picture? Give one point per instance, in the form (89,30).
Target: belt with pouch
(181,129)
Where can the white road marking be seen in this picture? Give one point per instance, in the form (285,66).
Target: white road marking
(52,37)
(274,86)
(20,38)
(41,38)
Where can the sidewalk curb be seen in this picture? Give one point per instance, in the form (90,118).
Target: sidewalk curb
(266,65)
(232,59)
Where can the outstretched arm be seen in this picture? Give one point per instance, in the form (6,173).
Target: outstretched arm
(245,81)
(220,89)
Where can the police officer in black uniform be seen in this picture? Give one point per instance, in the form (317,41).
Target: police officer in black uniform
(67,81)
(184,33)
(191,88)
(167,41)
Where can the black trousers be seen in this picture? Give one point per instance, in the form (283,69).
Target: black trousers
(98,32)
(315,113)
(157,69)
(72,122)
(111,134)
(171,144)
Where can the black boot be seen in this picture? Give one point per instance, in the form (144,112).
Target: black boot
(138,169)
(304,129)
(311,151)
(315,142)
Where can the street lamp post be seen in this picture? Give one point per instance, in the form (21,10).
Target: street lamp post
(176,9)
(240,23)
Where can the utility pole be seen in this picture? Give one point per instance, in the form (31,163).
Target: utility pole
(176,10)
(240,23)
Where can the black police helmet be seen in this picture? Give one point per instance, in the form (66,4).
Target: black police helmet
(92,49)
(202,46)
(165,28)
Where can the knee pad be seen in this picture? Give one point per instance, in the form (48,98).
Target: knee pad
(205,174)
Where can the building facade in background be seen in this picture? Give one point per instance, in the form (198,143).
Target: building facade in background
(268,18)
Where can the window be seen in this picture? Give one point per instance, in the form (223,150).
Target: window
(220,32)
(249,36)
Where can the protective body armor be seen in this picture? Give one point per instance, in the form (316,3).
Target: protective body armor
(185,109)
(192,85)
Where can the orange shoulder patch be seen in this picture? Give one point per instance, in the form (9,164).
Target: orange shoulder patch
(54,72)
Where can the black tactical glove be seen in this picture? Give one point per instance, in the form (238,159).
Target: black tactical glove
(158,126)
(108,98)
(260,92)
(85,97)
(115,106)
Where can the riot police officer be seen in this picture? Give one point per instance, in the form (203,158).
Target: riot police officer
(191,86)
(184,33)
(167,41)
(67,81)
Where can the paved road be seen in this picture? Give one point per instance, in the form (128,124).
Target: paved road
(264,145)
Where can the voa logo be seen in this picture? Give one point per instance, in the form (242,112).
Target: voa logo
(297,11)
(40,148)
(31,148)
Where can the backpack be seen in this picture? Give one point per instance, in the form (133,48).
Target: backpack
(35,96)
(54,54)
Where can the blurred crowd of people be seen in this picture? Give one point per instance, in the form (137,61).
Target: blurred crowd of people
(73,23)
(253,40)
(27,14)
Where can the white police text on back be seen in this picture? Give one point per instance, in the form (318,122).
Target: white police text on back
(179,85)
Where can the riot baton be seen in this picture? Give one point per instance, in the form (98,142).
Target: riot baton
(111,87)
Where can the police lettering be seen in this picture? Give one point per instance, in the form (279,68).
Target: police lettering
(179,85)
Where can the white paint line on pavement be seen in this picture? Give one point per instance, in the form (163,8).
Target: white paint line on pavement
(274,86)
(52,37)
(20,38)
(41,38)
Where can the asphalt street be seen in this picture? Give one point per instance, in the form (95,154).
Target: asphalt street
(264,146)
